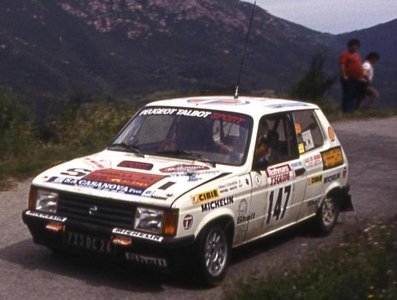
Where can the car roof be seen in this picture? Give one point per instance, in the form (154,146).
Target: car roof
(253,106)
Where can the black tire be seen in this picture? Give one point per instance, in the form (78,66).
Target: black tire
(327,215)
(213,255)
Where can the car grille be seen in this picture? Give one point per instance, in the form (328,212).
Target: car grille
(96,210)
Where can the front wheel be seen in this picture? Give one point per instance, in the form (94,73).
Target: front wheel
(213,255)
(327,215)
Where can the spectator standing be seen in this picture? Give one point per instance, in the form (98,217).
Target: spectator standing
(351,72)
(368,73)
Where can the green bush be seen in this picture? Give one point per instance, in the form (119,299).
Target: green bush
(15,127)
(80,130)
(92,126)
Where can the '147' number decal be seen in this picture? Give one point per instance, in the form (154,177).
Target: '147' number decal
(281,196)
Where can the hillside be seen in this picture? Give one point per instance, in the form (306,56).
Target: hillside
(129,48)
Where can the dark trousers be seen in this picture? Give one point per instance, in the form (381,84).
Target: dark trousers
(351,93)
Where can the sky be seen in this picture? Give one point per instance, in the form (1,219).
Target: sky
(332,16)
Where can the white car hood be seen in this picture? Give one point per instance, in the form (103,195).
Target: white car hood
(127,177)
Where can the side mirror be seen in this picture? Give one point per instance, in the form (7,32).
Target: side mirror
(261,163)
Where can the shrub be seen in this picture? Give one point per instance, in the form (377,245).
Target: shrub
(15,126)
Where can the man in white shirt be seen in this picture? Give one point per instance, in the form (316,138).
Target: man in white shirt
(369,90)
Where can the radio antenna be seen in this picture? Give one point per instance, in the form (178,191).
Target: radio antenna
(244,52)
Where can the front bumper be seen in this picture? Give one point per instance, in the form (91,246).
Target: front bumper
(122,243)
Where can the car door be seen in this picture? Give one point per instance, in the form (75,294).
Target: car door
(311,142)
(279,180)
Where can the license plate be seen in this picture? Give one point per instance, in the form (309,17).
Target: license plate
(87,242)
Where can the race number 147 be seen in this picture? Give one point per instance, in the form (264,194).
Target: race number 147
(278,202)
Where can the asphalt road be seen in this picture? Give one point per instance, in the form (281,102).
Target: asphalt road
(28,271)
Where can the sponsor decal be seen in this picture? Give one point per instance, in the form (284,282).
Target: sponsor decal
(298,128)
(230,118)
(156,194)
(216,204)
(206,196)
(101,164)
(187,222)
(313,161)
(296,165)
(102,186)
(332,158)
(307,140)
(135,165)
(127,178)
(76,172)
(301,148)
(242,207)
(243,219)
(132,183)
(175,111)
(230,186)
(278,174)
(146,260)
(159,197)
(194,176)
(331,178)
(46,216)
(182,168)
(136,234)
(315,179)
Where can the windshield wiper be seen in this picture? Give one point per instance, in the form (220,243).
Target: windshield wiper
(187,154)
(132,148)
(179,153)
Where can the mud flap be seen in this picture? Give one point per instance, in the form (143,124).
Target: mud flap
(346,199)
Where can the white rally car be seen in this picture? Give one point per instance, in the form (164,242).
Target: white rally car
(189,179)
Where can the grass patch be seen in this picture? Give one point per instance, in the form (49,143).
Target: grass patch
(364,266)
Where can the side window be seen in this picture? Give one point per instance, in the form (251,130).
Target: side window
(308,132)
(276,140)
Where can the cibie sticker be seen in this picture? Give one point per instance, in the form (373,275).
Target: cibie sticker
(206,196)
(187,222)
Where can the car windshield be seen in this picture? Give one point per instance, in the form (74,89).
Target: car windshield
(205,135)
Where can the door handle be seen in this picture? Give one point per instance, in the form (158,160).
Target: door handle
(300,171)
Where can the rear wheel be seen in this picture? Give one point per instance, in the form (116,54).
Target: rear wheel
(327,215)
(213,255)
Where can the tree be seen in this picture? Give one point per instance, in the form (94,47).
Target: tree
(315,83)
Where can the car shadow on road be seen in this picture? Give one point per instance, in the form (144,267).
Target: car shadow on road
(97,271)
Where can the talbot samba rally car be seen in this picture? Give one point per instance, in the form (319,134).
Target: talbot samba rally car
(189,179)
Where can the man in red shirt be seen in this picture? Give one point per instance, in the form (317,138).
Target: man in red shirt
(351,75)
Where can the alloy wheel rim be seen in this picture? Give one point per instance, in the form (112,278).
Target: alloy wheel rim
(215,252)
(329,212)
